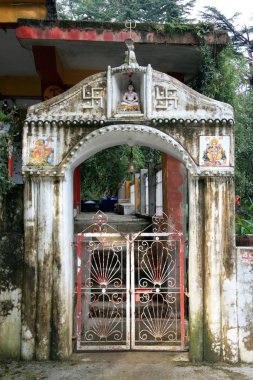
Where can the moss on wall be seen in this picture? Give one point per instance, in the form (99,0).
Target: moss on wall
(11,268)
(196,338)
(212,352)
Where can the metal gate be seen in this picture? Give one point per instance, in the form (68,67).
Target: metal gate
(130,288)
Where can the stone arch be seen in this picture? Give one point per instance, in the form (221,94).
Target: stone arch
(130,134)
(67,120)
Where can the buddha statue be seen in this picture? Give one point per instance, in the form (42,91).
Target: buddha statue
(130,101)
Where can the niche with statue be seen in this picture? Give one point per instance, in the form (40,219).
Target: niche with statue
(127,87)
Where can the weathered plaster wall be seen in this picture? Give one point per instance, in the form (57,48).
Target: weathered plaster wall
(245,302)
(83,109)
(196,265)
(220,319)
(11,266)
(48,289)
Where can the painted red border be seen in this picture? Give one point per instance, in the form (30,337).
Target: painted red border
(79,285)
(182,291)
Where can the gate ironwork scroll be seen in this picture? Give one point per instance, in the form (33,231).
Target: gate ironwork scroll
(130,287)
(103,313)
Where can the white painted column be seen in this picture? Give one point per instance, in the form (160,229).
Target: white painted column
(195,269)
(152,189)
(132,194)
(29,290)
(109,92)
(38,256)
(62,305)
(47,316)
(147,196)
(220,328)
(229,320)
(212,270)
(159,192)
(143,176)
(149,92)
(45,253)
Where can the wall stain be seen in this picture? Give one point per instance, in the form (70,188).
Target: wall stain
(248,340)
(6,308)
(11,261)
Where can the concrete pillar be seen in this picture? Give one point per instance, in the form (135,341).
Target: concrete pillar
(132,194)
(143,176)
(148,92)
(195,268)
(229,320)
(159,192)
(147,195)
(45,252)
(220,321)
(77,189)
(47,290)
(29,290)
(38,256)
(121,191)
(152,189)
(62,269)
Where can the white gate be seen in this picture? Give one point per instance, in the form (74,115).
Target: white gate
(130,288)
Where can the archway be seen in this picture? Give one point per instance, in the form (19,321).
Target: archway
(61,133)
(94,314)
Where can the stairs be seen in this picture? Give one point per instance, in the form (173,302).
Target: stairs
(120,223)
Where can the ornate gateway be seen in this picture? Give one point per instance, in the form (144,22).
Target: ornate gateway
(130,288)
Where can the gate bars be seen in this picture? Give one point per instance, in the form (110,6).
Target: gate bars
(103,319)
(113,267)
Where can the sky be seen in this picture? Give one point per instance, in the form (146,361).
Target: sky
(229,7)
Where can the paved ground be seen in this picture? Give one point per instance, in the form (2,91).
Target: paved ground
(123,366)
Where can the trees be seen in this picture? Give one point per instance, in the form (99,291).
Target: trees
(231,80)
(241,38)
(158,11)
(244,147)
(103,173)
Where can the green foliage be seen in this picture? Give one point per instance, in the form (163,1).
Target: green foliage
(121,10)
(5,183)
(102,174)
(5,118)
(244,225)
(9,119)
(244,146)
(241,38)
(221,76)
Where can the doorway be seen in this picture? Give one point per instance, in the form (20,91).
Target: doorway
(130,288)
